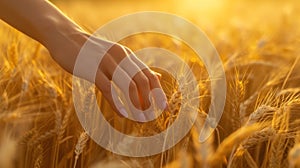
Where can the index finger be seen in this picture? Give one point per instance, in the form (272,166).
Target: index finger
(155,86)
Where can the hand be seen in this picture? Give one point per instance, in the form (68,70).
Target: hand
(140,85)
(117,56)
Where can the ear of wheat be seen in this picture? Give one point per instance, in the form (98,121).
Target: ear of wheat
(81,144)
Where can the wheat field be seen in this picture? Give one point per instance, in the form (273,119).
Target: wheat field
(258,42)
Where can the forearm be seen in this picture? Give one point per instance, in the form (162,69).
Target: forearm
(43,22)
(38,19)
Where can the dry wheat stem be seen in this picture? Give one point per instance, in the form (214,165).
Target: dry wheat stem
(81,143)
(234,139)
(38,153)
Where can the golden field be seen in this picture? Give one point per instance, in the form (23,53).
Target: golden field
(258,42)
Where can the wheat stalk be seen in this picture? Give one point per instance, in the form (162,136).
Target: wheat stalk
(261,113)
(231,141)
(38,155)
(64,125)
(259,136)
(237,159)
(43,137)
(81,143)
(27,137)
(249,160)
(278,145)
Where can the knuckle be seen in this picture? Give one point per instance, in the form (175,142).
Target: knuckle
(105,88)
(143,81)
(132,87)
(152,77)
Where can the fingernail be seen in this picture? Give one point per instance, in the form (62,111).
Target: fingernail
(141,117)
(150,115)
(157,74)
(124,112)
(160,99)
(163,105)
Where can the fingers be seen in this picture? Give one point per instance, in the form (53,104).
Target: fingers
(157,74)
(143,86)
(139,79)
(155,85)
(127,85)
(109,92)
(157,91)
(105,86)
(123,70)
(130,75)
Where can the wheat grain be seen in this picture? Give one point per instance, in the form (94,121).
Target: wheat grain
(43,137)
(263,112)
(278,145)
(27,137)
(64,125)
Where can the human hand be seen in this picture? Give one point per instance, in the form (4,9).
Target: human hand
(119,57)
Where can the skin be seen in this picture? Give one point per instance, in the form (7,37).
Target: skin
(63,38)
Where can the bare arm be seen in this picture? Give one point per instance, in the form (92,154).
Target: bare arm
(63,38)
(35,17)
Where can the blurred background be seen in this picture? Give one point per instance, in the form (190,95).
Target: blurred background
(201,11)
(215,16)
(258,42)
